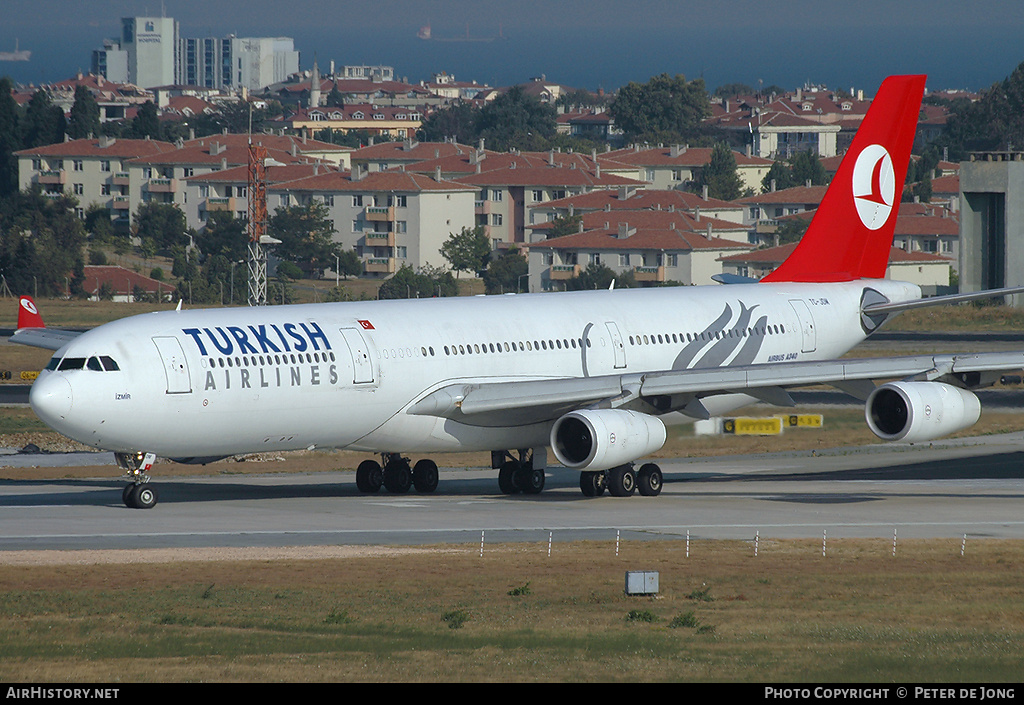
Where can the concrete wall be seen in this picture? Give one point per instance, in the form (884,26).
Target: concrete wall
(992,222)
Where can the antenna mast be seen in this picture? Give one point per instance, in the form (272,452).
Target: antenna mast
(257,221)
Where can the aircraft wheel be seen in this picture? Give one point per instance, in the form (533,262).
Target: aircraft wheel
(622,481)
(142,497)
(649,480)
(507,477)
(592,483)
(369,476)
(424,476)
(397,476)
(126,495)
(530,480)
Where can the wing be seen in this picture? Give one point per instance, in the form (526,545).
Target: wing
(494,403)
(48,338)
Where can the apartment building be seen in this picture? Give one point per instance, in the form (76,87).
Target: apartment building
(407,153)
(627,198)
(506,196)
(929,271)
(94,171)
(379,120)
(679,166)
(655,246)
(228,189)
(390,218)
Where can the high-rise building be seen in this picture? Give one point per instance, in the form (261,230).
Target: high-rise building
(151,45)
(236,62)
(111,62)
(151,53)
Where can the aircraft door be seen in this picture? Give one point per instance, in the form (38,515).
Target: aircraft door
(808,338)
(617,347)
(362,362)
(175,365)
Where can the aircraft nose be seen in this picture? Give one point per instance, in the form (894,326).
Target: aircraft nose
(50,398)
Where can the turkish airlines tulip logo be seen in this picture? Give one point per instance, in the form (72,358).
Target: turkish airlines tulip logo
(874,186)
(28,306)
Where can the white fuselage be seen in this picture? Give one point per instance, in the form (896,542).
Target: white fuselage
(216,382)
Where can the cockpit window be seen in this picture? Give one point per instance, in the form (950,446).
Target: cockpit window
(96,363)
(71,363)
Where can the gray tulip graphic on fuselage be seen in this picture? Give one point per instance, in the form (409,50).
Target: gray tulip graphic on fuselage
(726,343)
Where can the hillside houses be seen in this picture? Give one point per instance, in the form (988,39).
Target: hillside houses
(397,199)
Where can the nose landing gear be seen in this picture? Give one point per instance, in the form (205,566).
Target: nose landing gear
(138,494)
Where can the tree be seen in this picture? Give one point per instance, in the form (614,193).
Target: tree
(467,250)
(44,122)
(10,141)
(164,223)
(665,106)
(504,274)
(349,264)
(599,276)
(41,242)
(85,115)
(994,122)
(306,235)
(146,122)
(790,230)
(424,284)
(516,119)
(720,174)
(807,168)
(565,225)
(779,177)
(457,121)
(225,235)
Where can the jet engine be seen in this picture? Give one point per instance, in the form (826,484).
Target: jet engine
(920,411)
(598,439)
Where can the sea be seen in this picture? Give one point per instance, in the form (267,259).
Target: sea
(954,58)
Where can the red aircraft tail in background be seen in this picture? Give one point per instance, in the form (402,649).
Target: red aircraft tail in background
(851,234)
(28,314)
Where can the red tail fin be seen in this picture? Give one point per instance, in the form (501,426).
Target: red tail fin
(851,234)
(28,314)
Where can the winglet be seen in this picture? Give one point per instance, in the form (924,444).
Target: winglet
(851,234)
(28,314)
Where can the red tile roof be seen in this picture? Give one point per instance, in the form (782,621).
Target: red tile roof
(121,280)
(115,149)
(775,255)
(393,180)
(642,239)
(685,156)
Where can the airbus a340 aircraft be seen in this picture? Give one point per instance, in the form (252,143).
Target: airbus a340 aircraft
(596,375)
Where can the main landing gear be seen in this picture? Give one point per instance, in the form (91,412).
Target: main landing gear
(523,474)
(138,493)
(622,481)
(396,475)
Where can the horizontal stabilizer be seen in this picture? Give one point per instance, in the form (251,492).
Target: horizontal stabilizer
(733,279)
(894,307)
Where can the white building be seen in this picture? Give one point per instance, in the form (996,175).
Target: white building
(151,46)
(233,63)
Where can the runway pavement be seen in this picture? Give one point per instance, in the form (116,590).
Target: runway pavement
(972,487)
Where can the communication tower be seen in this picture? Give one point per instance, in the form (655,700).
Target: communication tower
(257,224)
